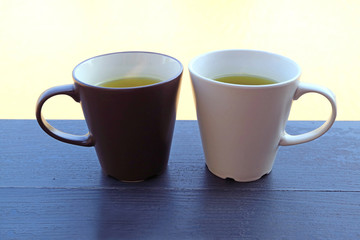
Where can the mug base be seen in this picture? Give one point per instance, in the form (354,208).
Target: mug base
(134,180)
(237,179)
(130,180)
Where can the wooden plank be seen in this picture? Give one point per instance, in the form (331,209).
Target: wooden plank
(137,213)
(30,158)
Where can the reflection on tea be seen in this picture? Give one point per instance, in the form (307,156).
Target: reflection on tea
(245,80)
(129,82)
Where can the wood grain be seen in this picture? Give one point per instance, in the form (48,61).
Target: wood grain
(53,190)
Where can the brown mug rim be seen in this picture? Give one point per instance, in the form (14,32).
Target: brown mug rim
(127,88)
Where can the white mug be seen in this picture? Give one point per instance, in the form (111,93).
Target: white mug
(242,126)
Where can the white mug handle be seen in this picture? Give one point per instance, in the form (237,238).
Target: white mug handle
(303,88)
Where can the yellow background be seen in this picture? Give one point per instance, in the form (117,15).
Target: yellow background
(42,40)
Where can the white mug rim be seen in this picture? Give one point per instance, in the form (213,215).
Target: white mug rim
(290,80)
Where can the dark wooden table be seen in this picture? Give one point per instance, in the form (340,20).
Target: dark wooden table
(53,190)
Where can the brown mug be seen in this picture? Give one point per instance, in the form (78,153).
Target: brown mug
(131,128)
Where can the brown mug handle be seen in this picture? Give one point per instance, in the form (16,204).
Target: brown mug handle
(81,140)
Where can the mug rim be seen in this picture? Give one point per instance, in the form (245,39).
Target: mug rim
(176,75)
(294,78)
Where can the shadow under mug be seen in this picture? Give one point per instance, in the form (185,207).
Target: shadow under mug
(242,126)
(130,128)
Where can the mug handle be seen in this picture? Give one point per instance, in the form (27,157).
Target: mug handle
(81,140)
(287,139)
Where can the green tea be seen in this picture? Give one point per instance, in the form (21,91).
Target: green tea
(245,80)
(129,82)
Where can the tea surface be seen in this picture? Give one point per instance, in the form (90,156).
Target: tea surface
(245,80)
(129,82)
